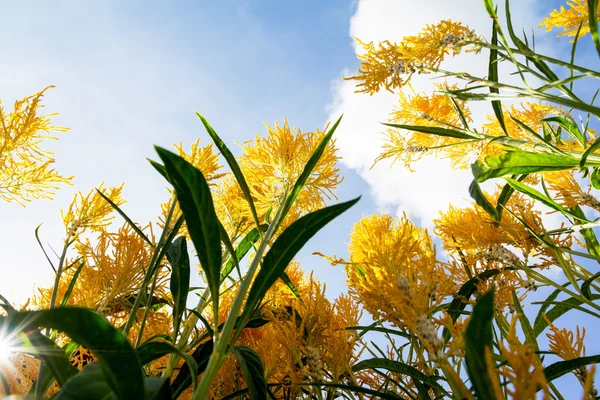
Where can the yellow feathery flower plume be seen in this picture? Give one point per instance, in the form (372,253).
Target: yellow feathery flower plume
(393,272)
(90,211)
(421,109)
(568,346)
(26,171)
(272,165)
(114,265)
(568,192)
(569,19)
(391,65)
(522,370)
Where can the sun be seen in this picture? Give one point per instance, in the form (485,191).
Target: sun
(5,351)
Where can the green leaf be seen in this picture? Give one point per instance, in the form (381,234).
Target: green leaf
(534,194)
(523,162)
(530,337)
(434,130)
(178,257)
(593,22)
(57,361)
(183,379)
(591,241)
(585,287)
(151,351)
(285,248)
(308,169)
(132,224)
(559,309)
(479,337)
(561,368)
(117,359)
(366,329)
(463,295)
(568,126)
(286,279)
(480,198)
(588,151)
(400,368)
(232,162)
(595,178)
(505,195)
(72,282)
(493,72)
(90,384)
(242,249)
(253,370)
(198,209)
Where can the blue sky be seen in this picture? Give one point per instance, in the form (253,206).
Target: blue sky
(129,75)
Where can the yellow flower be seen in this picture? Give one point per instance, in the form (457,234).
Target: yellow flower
(114,267)
(393,272)
(569,19)
(423,110)
(568,346)
(203,158)
(567,190)
(391,65)
(522,370)
(272,165)
(26,169)
(91,211)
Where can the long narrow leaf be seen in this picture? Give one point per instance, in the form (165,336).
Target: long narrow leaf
(285,248)
(198,209)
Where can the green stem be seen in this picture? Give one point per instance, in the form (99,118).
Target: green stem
(221,350)
(150,272)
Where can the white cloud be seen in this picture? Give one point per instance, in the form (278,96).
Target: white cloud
(434,185)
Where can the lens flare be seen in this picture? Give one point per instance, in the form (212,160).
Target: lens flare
(5,350)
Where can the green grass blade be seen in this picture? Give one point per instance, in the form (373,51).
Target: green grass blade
(523,162)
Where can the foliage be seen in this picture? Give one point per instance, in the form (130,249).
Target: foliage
(117,322)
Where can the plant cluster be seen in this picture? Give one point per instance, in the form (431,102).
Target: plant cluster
(119,321)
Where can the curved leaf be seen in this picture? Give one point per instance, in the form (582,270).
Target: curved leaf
(253,370)
(115,356)
(178,257)
(560,368)
(198,209)
(151,351)
(479,337)
(400,368)
(523,162)
(285,248)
